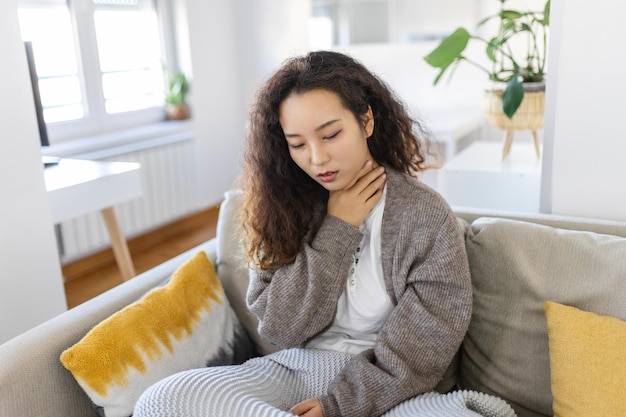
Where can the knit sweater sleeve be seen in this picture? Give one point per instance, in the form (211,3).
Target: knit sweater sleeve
(425,329)
(299,300)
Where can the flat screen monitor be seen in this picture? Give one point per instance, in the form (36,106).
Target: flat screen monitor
(34,81)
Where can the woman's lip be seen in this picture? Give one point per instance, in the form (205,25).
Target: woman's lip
(327,176)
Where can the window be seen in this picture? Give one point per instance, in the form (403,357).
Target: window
(99,63)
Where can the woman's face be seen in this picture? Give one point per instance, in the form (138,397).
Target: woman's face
(325,139)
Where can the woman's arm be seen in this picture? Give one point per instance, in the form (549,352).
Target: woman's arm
(299,300)
(423,332)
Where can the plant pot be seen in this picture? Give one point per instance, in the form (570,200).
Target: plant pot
(529,115)
(176,112)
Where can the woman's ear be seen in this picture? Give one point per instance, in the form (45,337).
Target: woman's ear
(368,122)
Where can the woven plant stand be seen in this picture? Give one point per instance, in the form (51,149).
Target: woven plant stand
(529,116)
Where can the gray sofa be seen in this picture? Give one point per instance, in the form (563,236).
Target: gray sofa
(518,262)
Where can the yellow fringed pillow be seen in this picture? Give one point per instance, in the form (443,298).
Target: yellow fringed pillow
(587,362)
(186,323)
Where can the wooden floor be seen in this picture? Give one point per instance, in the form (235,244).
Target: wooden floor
(93,275)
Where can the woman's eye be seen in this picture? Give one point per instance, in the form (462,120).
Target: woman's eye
(333,135)
(296,146)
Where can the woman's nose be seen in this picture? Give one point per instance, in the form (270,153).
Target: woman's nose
(318,154)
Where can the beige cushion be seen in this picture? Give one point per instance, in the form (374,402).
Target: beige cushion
(231,266)
(516,267)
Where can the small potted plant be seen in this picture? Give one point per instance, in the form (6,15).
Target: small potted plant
(176,107)
(513,73)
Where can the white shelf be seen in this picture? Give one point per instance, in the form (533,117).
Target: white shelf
(455,128)
(477,177)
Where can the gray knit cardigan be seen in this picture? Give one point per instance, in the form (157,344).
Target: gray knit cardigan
(426,275)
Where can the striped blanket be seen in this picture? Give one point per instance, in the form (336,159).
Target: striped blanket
(268,385)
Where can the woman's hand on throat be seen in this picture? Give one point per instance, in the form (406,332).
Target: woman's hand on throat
(353,203)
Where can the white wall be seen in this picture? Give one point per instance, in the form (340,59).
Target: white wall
(31,286)
(403,67)
(217,117)
(584,167)
(234,45)
(268,32)
(421,19)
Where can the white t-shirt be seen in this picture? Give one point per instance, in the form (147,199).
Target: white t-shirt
(364,304)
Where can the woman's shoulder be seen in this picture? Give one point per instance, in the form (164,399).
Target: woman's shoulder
(406,190)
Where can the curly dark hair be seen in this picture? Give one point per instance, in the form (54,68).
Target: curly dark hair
(279,197)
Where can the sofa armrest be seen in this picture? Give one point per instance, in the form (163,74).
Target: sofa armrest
(33,382)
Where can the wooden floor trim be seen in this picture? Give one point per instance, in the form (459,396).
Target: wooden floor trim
(80,267)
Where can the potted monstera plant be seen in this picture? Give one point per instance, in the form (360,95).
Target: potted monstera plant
(517,59)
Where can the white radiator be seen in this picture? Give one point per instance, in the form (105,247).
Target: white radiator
(169,190)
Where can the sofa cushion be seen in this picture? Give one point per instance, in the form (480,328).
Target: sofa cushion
(231,266)
(185,323)
(587,362)
(517,266)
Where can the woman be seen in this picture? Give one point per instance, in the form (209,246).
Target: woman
(347,258)
(359,270)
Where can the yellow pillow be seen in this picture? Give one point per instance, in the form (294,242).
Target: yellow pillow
(587,362)
(186,323)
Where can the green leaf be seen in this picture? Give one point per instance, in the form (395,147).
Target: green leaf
(449,50)
(492,48)
(507,26)
(513,96)
(438,77)
(511,14)
(546,14)
(486,19)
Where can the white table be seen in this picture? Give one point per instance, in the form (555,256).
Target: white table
(76,187)
(478,177)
